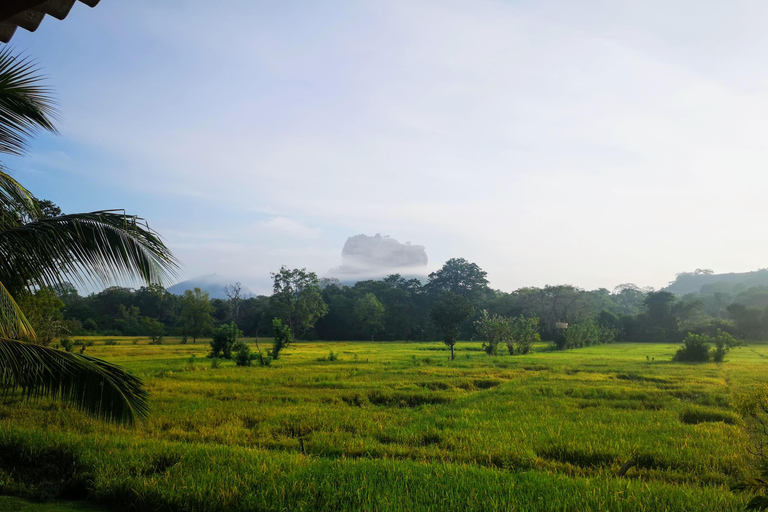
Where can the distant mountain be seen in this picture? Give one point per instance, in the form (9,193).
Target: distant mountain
(212,283)
(707,282)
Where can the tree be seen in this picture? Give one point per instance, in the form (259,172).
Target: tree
(661,320)
(232,291)
(525,332)
(283,338)
(448,314)
(461,278)
(196,313)
(493,330)
(43,310)
(370,312)
(224,340)
(38,251)
(297,299)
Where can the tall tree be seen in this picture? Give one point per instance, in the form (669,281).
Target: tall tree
(38,251)
(297,299)
(196,313)
(459,277)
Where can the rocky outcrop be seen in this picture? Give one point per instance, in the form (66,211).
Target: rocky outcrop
(377,256)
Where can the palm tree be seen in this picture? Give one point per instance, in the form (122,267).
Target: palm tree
(91,248)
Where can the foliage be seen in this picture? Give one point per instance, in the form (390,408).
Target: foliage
(460,277)
(43,310)
(493,330)
(283,338)
(696,348)
(243,354)
(196,313)
(370,312)
(223,341)
(583,334)
(524,335)
(297,299)
(448,314)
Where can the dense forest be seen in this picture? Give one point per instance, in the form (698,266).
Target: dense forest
(395,308)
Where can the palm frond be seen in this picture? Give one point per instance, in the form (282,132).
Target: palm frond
(16,203)
(26,105)
(92,385)
(88,248)
(13,323)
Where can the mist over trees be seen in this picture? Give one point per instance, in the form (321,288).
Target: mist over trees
(398,308)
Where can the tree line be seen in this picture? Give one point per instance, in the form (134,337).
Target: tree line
(400,308)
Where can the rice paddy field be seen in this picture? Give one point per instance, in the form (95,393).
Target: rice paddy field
(395,426)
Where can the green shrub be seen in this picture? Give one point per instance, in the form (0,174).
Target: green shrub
(283,337)
(695,349)
(243,354)
(525,332)
(224,339)
(110,342)
(67,344)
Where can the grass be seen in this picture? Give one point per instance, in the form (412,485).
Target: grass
(396,426)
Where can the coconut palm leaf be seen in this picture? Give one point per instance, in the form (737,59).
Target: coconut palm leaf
(92,385)
(87,248)
(13,323)
(26,105)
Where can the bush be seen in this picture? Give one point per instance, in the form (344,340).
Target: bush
(243,354)
(695,349)
(492,330)
(224,339)
(67,344)
(525,332)
(283,337)
(581,335)
(110,342)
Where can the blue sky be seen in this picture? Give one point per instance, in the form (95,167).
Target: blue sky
(588,142)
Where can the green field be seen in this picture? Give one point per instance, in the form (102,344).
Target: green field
(397,426)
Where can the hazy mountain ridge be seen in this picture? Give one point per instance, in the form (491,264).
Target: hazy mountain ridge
(212,283)
(705,281)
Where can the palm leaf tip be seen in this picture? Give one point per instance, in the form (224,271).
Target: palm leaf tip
(26,104)
(102,247)
(94,386)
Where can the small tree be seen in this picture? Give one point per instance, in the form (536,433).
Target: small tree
(448,314)
(234,300)
(370,312)
(493,330)
(723,343)
(43,311)
(154,329)
(525,332)
(283,337)
(196,313)
(224,339)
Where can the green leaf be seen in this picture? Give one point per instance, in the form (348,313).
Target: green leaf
(92,385)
